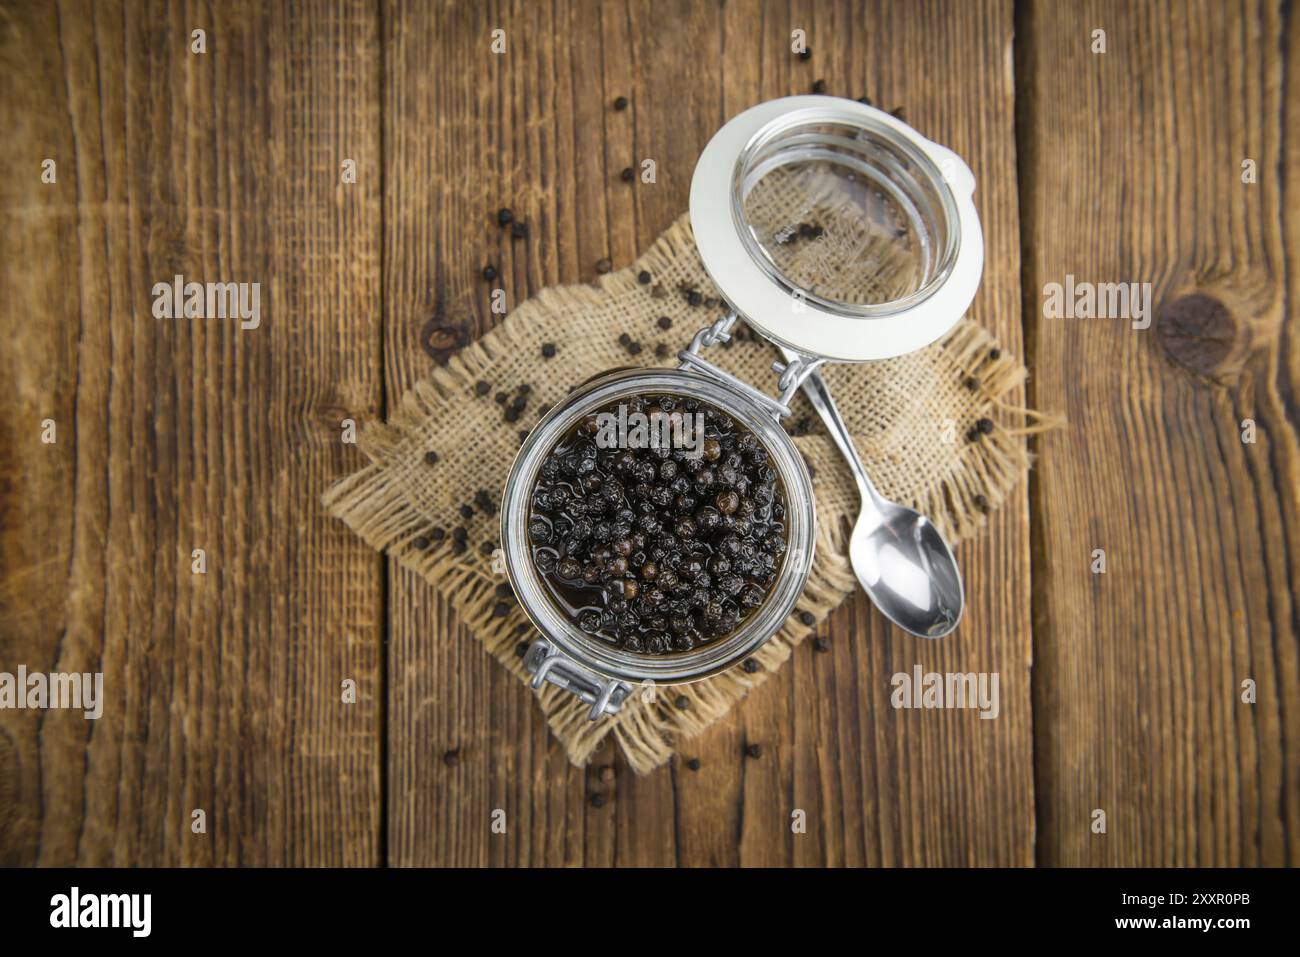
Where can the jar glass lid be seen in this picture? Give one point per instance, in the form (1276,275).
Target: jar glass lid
(835,229)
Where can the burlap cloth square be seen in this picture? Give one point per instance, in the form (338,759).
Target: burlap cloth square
(914,420)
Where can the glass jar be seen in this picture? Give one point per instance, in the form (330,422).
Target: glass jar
(884,201)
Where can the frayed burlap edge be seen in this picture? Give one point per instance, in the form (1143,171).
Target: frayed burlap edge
(375,503)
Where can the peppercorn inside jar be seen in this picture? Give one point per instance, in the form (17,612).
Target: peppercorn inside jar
(658,523)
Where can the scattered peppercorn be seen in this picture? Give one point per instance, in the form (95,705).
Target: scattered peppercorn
(693,764)
(805,53)
(482,388)
(896,112)
(521,649)
(626,175)
(694,298)
(437,533)
(451,758)
(420,543)
(665,323)
(487,548)
(995,353)
(634,348)
(644,277)
(460,533)
(458,546)
(620,103)
(524,388)
(981,503)
(548,350)
(505,215)
(864,100)
(431,457)
(750,666)
(821,644)
(500,610)
(973,435)
(985,425)
(603,265)
(661,351)
(754,750)
(682,702)
(819,86)
(972,383)
(518,230)
(598,800)
(466,512)
(489,273)
(511,414)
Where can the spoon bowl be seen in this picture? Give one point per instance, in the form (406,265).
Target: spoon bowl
(908,570)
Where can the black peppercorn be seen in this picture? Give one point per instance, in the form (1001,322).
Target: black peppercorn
(981,503)
(482,388)
(466,512)
(521,649)
(451,758)
(682,702)
(808,618)
(620,102)
(518,230)
(603,265)
(665,323)
(598,800)
(505,215)
(694,298)
(548,350)
(864,100)
(754,750)
(995,353)
(437,533)
(821,644)
(985,425)
(819,86)
(750,666)
(643,277)
(500,610)
(662,351)
(626,175)
(489,273)
(420,543)
(805,53)
(634,348)
(430,458)
(972,383)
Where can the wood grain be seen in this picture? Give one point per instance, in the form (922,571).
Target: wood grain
(1132,172)
(466,132)
(222,690)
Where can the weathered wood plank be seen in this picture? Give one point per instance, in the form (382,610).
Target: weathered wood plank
(1133,173)
(222,690)
(467,131)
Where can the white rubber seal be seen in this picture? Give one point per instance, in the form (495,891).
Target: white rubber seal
(800,324)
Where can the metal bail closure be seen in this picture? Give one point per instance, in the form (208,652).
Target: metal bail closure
(835,229)
(605,695)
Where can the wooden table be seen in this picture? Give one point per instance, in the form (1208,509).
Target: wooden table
(1120,692)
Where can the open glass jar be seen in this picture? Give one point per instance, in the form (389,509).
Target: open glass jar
(838,233)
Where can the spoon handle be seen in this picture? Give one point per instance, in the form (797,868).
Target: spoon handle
(820,396)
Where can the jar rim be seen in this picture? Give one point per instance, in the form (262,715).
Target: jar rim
(708,658)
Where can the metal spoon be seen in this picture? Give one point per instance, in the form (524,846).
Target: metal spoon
(901,560)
